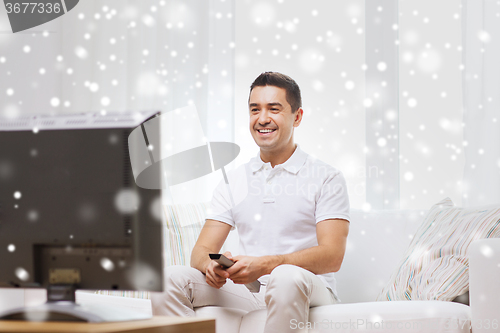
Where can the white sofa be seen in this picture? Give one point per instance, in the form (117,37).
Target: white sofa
(376,244)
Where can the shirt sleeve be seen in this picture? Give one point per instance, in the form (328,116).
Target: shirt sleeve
(220,206)
(333,200)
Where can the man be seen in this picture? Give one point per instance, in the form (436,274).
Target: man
(292,215)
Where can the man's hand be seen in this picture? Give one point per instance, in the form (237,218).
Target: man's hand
(216,275)
(247,269)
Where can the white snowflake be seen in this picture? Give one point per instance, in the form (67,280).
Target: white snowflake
(94,87)
(382,66)
(318,85)
(105,101)
(107,264)
(22,274)
(33,215)
(429,61)
(367,102)
(408,176)
(81,52)
(381,142)
(127,201)
(366,207)
(55,102)
(484,36)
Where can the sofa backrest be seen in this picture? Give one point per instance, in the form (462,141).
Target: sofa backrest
(376,243)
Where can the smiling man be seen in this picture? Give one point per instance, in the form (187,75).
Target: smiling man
(292,216)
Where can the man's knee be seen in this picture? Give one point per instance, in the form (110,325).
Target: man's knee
(177,295)
(177,277)
(286,285)
(175,270)
(180,275)
(286,274)
(287,277)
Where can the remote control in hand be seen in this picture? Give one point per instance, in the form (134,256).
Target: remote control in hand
(225,262)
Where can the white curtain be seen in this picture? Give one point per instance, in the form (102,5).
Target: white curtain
(481,84)
(383,186)
(142,55)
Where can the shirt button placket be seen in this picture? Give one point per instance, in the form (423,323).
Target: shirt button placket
(269,196)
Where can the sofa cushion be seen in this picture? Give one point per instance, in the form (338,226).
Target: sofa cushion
(227,320)
(183,225)
(372,317)
(436,264)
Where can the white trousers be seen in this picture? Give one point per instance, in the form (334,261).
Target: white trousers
(290,292)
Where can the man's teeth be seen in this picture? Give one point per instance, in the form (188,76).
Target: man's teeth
(266,131)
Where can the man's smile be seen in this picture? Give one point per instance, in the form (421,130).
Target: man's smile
(266,131)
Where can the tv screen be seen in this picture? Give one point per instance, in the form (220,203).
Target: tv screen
(70,211)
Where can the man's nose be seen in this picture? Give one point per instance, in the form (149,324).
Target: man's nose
(264,117)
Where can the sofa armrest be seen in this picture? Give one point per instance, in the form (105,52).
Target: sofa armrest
(484,286)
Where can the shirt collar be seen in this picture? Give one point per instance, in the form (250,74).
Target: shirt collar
(293,164)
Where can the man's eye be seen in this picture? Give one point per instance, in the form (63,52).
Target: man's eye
(254,110)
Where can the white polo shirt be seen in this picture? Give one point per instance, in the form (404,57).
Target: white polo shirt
(276,209)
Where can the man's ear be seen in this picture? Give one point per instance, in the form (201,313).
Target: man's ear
(298,117)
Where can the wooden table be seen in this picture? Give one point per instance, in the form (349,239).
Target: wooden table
(154,325)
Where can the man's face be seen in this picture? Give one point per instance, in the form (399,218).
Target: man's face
(269,110)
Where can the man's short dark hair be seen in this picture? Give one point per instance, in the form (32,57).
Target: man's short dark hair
(281,81)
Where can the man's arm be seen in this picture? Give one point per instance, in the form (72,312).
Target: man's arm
(211,238)
(326,257)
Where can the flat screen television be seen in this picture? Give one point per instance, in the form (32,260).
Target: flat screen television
(71,214)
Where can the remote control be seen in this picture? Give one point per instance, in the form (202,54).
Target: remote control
(222,260)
